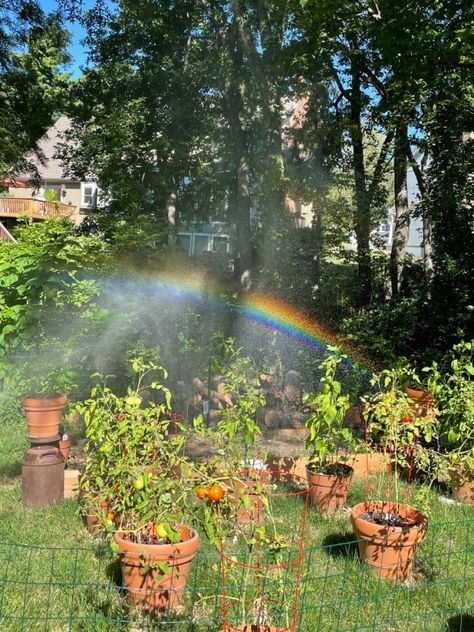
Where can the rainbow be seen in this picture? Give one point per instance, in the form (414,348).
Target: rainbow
(262,309)
(278,315)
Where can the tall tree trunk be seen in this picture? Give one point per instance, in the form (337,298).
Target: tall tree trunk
(171,213)
(419,171)
(427,248)
(241,163)
(362,222)
(402,211)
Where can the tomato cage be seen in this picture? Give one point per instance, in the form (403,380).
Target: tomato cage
(399,445)
(261,558)
(389,531)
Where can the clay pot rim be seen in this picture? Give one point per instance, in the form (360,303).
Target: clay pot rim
(421,521)
(131,549)
(328,476)
(37,400)
(419,395)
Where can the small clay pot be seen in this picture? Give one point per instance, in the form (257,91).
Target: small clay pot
(93,520)
(253,490)
(152,590)
(328,492)
(422,398)
(65,446)
(464,492)
(43,415)
(390,551)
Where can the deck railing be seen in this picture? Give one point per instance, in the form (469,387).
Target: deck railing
(5,234)
(35,209)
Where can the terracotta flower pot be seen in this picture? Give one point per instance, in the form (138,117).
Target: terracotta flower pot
(65,446)
(93,519)
(390,551)
(153,590)
(254,492)
(44,414)
(463,491)
(422,399)
(328,492)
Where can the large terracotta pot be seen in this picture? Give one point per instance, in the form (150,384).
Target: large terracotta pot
(390,551)
(328,492)
(153,590)
(44,414)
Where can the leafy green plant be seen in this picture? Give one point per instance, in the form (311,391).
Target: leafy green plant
(238,424)
(453,390)
(132,459)
(50,195)
(325,422)
(398,427)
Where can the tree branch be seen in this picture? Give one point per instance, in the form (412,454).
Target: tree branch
(379,167)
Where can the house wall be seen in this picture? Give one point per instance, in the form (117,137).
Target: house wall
(71,195)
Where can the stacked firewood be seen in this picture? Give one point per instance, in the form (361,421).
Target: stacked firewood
(284,399)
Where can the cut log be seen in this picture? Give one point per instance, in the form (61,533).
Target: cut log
(200,387)
(272,418)
(354,418)
(292,393)
(293,378)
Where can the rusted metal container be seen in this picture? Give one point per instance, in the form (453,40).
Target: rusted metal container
(42,476)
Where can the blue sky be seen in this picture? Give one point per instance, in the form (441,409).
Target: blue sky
(77,51)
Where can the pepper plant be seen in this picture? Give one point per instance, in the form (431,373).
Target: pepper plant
(325,423)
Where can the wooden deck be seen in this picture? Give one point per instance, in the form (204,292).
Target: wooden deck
(35,209)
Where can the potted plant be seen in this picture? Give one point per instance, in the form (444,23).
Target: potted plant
(389,531)
(453,387)
(45,402)
(418,392)
(328,477)
(131,464)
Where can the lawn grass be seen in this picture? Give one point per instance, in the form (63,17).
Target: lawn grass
(55,576)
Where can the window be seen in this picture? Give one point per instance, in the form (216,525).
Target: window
(88,194)
(201,243)
(384,227)
(220,244)
(184,240)
(198,243)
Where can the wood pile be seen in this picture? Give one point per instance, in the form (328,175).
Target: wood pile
(284,400)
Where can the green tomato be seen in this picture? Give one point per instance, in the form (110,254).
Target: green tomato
(139,483)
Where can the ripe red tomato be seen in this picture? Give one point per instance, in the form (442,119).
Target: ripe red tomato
(406,419)
(215,493)
(201,492)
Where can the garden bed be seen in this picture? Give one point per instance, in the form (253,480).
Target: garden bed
(55,576)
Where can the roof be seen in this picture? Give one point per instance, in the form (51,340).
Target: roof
(43,158)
